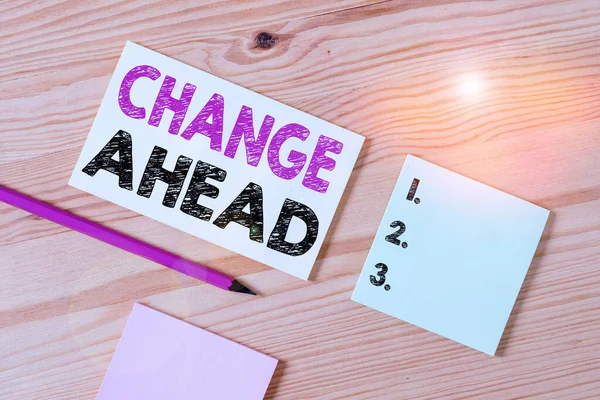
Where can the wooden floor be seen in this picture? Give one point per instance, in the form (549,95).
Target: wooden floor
(505,92)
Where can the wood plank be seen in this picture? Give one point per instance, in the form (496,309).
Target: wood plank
(393,71)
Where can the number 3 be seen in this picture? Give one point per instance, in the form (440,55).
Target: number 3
(380,274)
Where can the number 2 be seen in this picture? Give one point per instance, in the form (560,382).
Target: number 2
(393,237)
(381,274)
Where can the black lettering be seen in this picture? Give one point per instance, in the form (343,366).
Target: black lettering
(199,187)
(120,143)
(154,171)
(252,195)
(291,209)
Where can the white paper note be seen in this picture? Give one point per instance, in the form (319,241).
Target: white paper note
(216,160)
(450,255)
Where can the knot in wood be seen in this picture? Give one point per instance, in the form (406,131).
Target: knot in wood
(265,40)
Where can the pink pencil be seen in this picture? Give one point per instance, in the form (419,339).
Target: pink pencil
(121,241)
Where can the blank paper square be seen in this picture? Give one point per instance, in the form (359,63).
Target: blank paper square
(160,357)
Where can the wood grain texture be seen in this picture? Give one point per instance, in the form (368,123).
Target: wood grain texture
(389,70)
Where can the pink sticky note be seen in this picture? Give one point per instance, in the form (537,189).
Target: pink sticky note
(161,357)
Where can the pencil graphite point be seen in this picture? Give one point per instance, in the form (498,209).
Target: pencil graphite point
(238,287)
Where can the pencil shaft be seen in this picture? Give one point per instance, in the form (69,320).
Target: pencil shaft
(114,238)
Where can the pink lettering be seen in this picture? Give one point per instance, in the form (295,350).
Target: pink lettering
(213,130)
(320,160)
(296,158)
(244,126)
(178,106)
(134,74)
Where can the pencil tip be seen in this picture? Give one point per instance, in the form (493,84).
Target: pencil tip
(238,287)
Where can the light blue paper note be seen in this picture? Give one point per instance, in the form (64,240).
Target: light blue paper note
(450,255)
